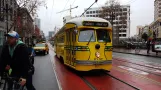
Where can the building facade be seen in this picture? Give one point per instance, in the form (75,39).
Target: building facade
(11,6)
(51,34)
(118,23)
(37,22)
(25,26)
(156,28)
(139,30)
(157,9)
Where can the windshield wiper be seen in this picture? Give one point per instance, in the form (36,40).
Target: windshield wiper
(90,39)
(106,40)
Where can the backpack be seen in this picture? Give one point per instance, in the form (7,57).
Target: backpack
(31,66)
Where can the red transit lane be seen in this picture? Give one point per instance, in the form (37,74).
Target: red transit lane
(67,79)
(70,81)
(105,82)
(152,73)
(141,63)
(119,78)
(139,81)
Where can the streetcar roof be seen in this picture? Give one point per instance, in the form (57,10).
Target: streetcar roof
(78,21)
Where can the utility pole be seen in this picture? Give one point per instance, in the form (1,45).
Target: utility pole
(7,15)
(68,9)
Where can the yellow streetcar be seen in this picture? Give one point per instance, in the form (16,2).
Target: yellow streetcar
(85,44)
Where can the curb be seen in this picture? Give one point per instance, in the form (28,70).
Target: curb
(138,54)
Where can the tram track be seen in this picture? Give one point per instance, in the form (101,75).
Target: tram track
(145,65)
(132,86)
(88,83)
(149,70)
(93,87)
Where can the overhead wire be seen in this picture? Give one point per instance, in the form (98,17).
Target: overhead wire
(73,2)
(65,6)
(51,11)
(131,1)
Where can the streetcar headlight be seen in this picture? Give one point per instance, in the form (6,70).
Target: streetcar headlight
(97,54)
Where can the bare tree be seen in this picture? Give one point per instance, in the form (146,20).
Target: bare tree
(30,5)
(113,11)
(109,10)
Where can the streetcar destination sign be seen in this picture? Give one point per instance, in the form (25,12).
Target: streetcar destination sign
(96,24)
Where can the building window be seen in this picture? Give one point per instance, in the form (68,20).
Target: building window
(87,16)
(1,38)
(94,11)
(159,3)
(90,12)
(124,13)
(100,11)
(87,12)
(96,15)
(93,15)
(124,31)
(124,35)
(159,11)
(97,11)
(11,1)
(159,7)
(124,9)
(159,15)
(90,15)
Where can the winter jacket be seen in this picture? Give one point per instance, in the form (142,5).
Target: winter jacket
(19,62)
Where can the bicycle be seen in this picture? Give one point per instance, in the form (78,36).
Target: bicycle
(10,83)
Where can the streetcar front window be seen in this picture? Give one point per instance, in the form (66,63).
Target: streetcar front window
(86,36)
(103,35)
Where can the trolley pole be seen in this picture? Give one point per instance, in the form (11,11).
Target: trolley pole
(89,7)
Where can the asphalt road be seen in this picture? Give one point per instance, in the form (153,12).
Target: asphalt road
(44,77)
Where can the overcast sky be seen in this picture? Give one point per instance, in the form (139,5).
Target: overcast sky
(142,12)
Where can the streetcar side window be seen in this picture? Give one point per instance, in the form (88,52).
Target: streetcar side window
(103,36)
(87,35)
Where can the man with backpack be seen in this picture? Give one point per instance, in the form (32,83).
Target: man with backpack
(15,56)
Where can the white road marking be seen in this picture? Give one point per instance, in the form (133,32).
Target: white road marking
(53,65)
(133,70)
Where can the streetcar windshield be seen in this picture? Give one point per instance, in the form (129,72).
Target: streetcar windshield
(103,35)
(87,35)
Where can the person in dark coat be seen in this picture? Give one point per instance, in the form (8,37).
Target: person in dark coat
(15,57)
(148,46)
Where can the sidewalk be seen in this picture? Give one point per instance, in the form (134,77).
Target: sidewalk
(132,51)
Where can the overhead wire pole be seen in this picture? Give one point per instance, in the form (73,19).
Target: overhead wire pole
(7,15)
(68,9)
(88,8)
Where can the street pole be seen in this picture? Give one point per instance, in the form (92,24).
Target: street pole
(7,16)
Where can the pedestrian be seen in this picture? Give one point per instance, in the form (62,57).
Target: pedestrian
(148,45)
(15,56)
(31,53)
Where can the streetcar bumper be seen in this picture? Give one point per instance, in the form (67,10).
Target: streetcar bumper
(93,65)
